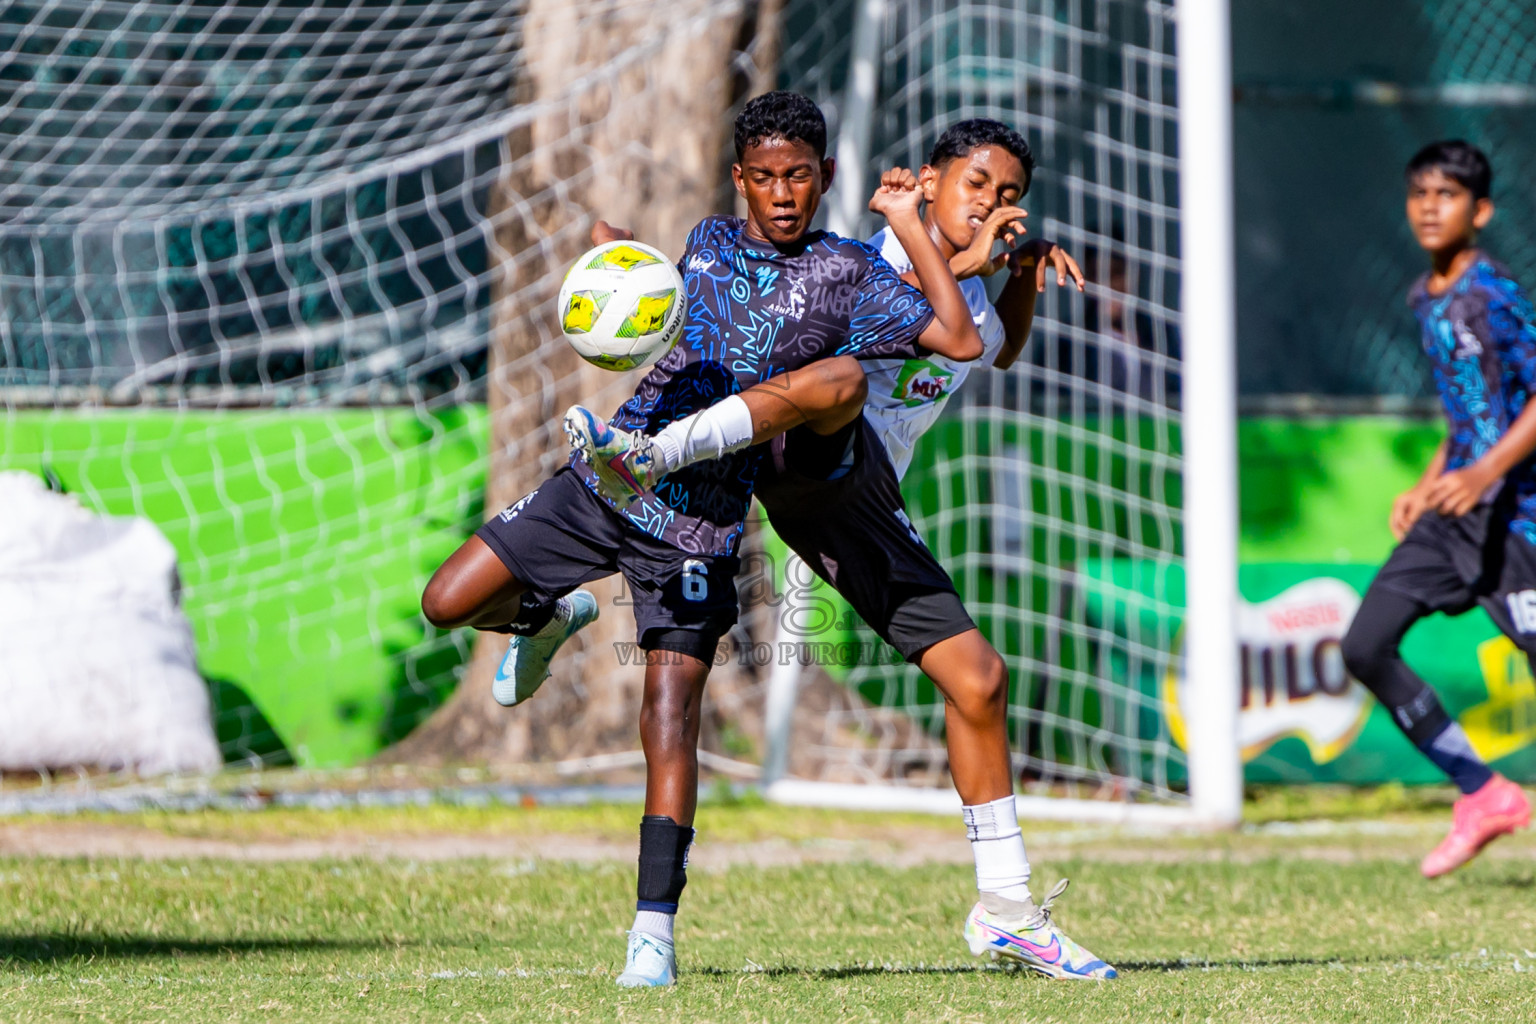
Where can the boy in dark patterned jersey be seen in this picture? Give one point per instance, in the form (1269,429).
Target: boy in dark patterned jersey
(765,295)
(842,512)
(754,312)
(1467,530)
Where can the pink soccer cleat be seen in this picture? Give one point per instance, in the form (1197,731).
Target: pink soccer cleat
(1499,808)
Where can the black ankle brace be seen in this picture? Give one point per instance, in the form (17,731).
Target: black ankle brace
(663,863)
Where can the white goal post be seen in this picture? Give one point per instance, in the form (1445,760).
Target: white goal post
(1210,406)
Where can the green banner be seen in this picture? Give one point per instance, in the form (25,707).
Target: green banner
(303,540)
(1301,718)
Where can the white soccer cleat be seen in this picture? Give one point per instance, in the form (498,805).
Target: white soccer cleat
(649,962)
(1031,939)
(525,666)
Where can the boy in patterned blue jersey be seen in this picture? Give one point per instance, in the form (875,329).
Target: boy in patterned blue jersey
(838,505)
(766,295)
(1467,530)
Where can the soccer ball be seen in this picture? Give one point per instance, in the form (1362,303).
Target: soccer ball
(621,305)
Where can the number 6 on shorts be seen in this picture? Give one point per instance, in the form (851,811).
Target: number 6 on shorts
(695,583)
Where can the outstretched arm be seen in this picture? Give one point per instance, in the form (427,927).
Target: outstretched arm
(1016,305)
(952,332)
(1028,265)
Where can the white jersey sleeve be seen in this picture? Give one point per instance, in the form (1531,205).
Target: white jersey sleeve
(907,395)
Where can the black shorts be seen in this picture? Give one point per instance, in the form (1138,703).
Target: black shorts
(854,533)
(1448,564)
(562,535)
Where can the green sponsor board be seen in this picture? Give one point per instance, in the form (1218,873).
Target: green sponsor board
(1315,496)
(1301,718)
(303,538)
(1319,489)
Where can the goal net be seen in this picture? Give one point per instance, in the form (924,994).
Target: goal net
(1052,490)
(279,279)
(273,276)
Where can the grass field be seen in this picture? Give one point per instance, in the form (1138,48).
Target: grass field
(1309,914)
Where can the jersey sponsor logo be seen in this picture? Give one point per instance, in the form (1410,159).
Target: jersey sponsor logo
(920,382)
(793,305)
(701,262)
(1293,681)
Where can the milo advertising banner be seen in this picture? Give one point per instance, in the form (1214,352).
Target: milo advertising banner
(1301,717)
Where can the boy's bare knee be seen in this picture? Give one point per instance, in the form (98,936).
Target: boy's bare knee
(985,693)
(442,606)
(665,733)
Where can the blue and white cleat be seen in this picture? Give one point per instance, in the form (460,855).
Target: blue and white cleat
(1030,938)
(650,962)
(622,459)
(525,666)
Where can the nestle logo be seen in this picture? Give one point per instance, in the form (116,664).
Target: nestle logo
(1291,620)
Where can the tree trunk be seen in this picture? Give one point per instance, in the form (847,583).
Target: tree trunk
(638,140)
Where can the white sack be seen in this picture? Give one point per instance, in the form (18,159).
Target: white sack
(97,662)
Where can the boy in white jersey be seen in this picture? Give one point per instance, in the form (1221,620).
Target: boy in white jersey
(836,501)
(971,204)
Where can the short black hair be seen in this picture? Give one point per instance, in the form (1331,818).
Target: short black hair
(781,115)
(1458,160)
(961,138)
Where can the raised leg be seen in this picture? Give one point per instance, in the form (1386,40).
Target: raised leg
(472,588)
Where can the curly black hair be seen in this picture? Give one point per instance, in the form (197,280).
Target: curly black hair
(781,115)
(1458,160)
(961,138)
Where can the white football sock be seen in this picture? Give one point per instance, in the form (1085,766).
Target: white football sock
(998,846)
(708,434)
(654,923)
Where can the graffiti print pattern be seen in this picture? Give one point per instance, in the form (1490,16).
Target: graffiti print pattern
(1480,337)
(755,313)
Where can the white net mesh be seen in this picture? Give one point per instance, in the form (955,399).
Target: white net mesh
(253,256)
(1050,491)
(276,275)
